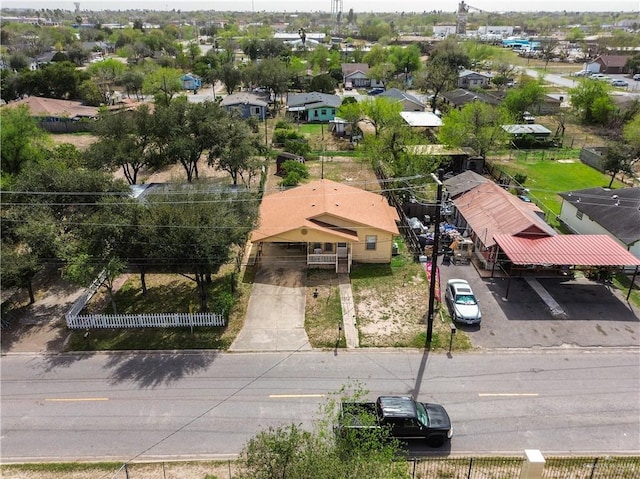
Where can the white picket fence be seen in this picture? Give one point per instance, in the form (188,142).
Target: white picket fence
(155,320)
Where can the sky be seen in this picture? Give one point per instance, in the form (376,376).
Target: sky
(325,5)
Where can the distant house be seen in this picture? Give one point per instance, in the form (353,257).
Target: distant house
(314,106)
(58,116)
(471,79)
(528,134)
(460,97)
(409,102)
(190,82)
(613,64)
(246,104)
(604,211)
(358,75)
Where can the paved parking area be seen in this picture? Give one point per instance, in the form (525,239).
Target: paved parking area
(597,315)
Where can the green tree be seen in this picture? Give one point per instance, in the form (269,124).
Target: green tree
(405,60)
(294,173)
(528,95)
(275,75)
(328,451)
(106,74)
(132,81)
(230,76)
(378,54)
(633,63)
(381,112)
(353,113)
(22,140)
(235,149)
(184,131)
(196,236)
(619,158)
(592,101)
(90,93)
(323,83)
(127,140)
(477,125)
(163,84)
(19,267)
(631,133)
(438,77)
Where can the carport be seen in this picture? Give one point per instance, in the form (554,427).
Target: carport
(560,254)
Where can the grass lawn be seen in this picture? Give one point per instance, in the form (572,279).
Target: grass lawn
(313,129)
(545,179)
(168,293)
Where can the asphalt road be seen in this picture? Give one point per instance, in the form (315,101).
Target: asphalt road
(207,405)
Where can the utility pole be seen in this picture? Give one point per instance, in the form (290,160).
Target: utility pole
(434,257)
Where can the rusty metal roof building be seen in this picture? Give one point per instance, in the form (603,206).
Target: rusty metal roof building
(578,250)
(490,210)
(465,181)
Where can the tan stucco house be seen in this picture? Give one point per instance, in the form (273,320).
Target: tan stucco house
(331,223)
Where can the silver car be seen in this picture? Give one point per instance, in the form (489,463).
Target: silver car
(462,303)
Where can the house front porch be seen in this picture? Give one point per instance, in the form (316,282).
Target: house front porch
(330,255)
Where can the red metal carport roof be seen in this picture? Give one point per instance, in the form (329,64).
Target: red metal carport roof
(578,250)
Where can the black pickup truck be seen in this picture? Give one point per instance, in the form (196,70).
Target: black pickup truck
(405,417)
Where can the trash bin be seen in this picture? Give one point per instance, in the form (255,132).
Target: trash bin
(394,249)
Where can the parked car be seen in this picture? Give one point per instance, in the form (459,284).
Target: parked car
(348,85)
(636,77)
(375,91)
(462,303)
(601,77)
(619,83)
(404,417)
(581,73)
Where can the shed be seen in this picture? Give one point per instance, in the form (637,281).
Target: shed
(285,156)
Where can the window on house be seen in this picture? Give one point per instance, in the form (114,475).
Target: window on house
(579,215)
(323,112)
(328,247)
(257,110)
(315,113)
(371,242)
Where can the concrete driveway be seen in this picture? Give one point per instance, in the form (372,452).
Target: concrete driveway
(596,314)
(275,314)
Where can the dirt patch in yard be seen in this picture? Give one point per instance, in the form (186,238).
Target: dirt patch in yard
(82,141)
(391,313)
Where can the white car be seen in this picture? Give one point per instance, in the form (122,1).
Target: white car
(462,303)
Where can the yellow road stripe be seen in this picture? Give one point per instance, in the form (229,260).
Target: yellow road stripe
(75,399)
(278,396)
(508,395)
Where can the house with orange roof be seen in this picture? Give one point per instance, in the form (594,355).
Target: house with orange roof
(331,223)
(57,116)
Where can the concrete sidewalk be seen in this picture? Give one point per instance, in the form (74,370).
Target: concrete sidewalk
(348,312)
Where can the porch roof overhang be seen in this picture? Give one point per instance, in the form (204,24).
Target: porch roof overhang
(311,227)
(576,250)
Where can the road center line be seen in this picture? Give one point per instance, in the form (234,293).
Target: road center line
(508,394)
(280,396)
(74,399)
